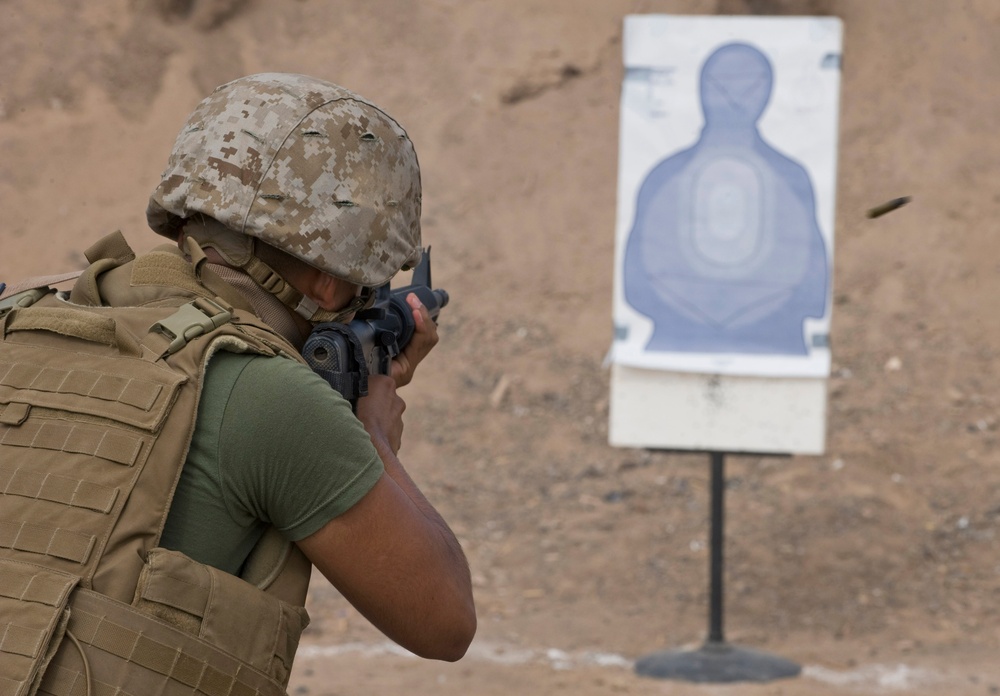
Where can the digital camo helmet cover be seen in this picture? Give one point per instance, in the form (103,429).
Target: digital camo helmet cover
(303,165)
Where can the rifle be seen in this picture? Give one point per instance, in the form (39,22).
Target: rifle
(345,354)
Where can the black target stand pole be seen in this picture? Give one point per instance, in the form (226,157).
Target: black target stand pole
(716,661)
(718,539)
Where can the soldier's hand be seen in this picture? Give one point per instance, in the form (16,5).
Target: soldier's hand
(381,412)
(425,337)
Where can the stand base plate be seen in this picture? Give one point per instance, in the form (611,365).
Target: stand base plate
(716,662)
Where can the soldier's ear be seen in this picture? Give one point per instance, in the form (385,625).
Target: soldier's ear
(322,287)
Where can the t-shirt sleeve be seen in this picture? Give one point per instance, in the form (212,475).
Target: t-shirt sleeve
(291,451)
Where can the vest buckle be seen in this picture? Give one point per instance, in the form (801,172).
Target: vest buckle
(190,321)
(25,298)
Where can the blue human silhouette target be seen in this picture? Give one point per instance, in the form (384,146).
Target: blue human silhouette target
(724,233)
(725,254)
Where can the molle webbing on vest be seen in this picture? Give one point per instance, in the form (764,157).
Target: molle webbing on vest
(130,391)
(58,489)
(142,655)
(53,542)
(62,681)
(63,413)
(33,619)
(68,413)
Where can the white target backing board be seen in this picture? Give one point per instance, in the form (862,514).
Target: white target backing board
(724,232)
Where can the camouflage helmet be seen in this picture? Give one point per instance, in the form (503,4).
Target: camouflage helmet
(303,165)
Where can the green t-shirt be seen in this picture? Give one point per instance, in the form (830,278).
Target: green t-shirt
(273,445)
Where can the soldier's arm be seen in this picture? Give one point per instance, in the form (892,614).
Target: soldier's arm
(392,555)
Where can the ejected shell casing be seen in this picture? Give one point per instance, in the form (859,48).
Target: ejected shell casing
(888,207)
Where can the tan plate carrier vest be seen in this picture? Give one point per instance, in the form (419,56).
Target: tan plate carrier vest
(98,398)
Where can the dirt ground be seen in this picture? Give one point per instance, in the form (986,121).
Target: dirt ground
(875,566)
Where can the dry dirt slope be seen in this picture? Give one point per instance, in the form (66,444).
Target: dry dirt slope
(883,553)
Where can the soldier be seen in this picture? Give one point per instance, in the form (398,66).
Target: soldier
(170,467)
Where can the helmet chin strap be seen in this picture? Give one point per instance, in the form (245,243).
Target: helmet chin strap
(263,275)
(272,282)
